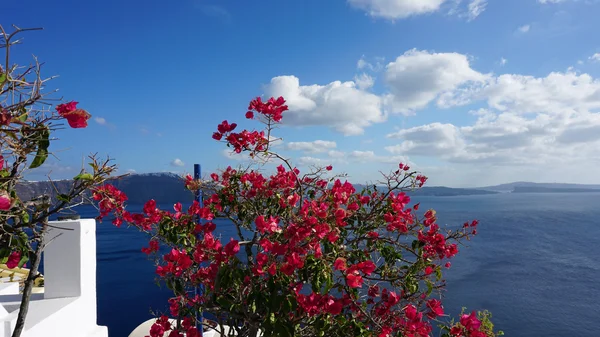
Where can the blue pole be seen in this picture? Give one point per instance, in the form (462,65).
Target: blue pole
(198,197)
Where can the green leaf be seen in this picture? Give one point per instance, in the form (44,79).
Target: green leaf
(25,217)
(24,259)
(4,253)
(42,153)
(438,273)
(2,77)
(429,287)
(23,118)
(64,198)
(83,176)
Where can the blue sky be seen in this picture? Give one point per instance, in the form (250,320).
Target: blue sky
(471,92)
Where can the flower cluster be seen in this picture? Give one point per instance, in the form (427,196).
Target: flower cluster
(77,118)
(253,141)
(312,255)
(273,108)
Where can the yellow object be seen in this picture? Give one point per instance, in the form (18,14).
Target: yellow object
(21,273)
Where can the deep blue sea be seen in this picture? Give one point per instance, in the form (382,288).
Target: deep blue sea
(534,265)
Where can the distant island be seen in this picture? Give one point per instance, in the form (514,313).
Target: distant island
(438,191)
(529,187)
(168,188)
(538,189)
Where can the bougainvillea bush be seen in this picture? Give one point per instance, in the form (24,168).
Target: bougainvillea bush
(312,256)
(29,116)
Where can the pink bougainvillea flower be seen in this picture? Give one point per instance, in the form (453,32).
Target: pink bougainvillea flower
(13,260)
(66,108)
(470,322)
(1,162)
(232,248)
(435,307)
(385,332)
(77,119)
(153,247)
(5,201)
(354,281)
(340,264)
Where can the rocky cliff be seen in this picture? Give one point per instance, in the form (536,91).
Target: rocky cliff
(165,188)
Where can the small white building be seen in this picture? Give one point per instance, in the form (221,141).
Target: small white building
(67,307)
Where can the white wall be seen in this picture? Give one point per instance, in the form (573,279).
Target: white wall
(67,308)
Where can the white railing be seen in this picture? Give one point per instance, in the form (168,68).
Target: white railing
(67,307)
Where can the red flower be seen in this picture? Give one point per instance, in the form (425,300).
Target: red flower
(329,168)
(232,248)
(78,118)
(65,108)
(470,322)
(249,114)
(354,281)
(269,226)
(13,260)
(153,247)
(340,264)
(385,332)
(367,267)
(435,307)
(5,201)
(456,331)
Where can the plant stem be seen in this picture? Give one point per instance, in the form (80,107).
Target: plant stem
(35,264)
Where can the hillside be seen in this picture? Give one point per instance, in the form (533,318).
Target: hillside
(168,188)
(165,188)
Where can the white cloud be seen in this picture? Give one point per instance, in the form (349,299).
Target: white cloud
(397,9)
(418,77)
(352,157)
(400,9)
(551,1)
(364,81)
(595,57)
(217,12)
(340,105)
(100,120)
(316,146)
(503,61)
(524,28)
(375,66)
(177,163)
(433,139)
(555,93)
(475,8)
(414,80)
(535,122)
